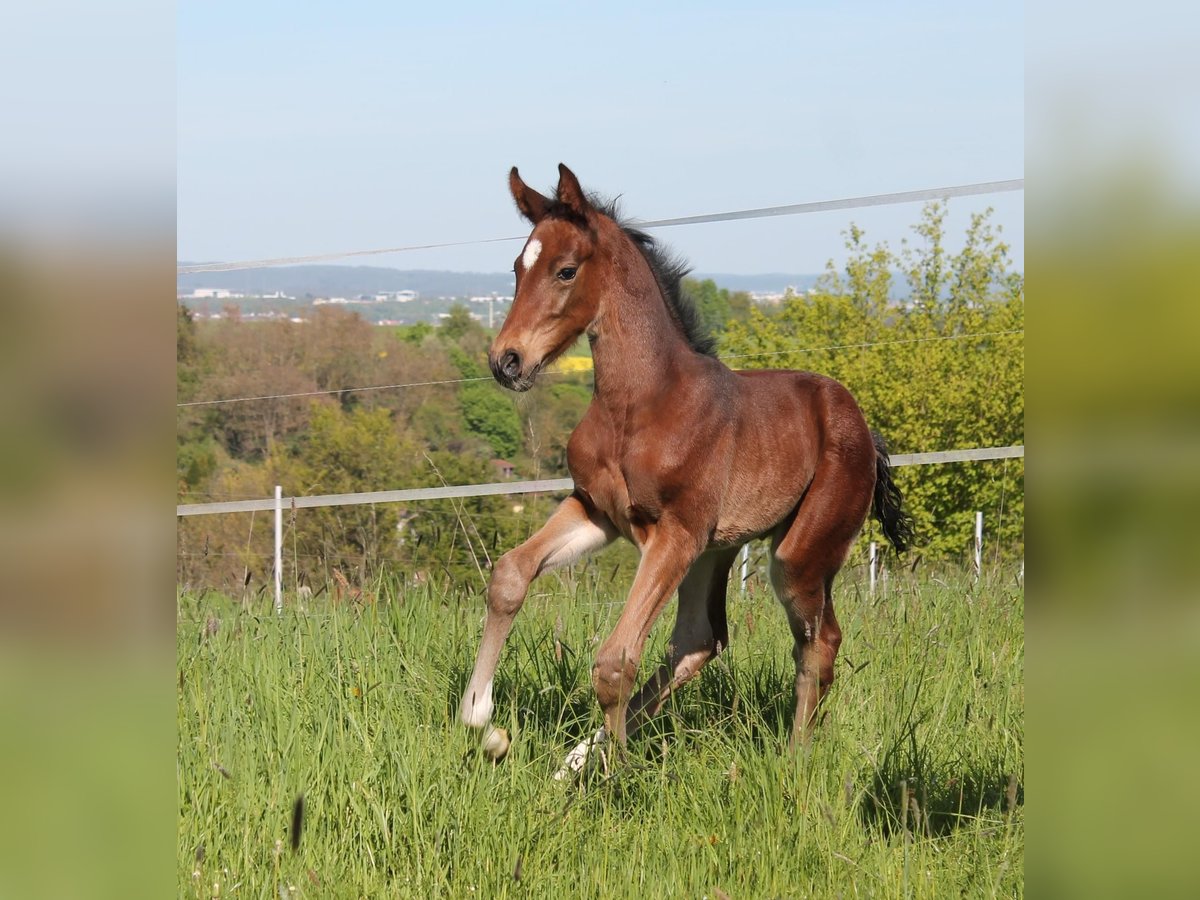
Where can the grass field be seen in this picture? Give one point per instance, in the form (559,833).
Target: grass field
(912,788)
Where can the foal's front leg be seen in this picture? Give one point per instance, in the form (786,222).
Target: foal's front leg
(666,557)
(575,528)
(700,634)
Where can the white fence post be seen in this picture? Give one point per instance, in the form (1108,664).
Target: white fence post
(745,565)
(978,545)
(874,558)
(278,548)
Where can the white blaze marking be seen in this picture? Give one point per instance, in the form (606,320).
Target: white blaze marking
(532,251)
(577,757)
(477,711)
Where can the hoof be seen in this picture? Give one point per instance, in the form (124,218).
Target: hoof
(496,744)
(578,757)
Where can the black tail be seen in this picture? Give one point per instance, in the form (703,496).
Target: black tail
(897,524)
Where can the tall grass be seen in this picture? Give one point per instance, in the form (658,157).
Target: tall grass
(912,787)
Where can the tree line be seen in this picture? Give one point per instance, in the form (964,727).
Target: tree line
(938,369)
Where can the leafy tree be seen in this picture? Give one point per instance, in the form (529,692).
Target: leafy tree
(414,334)
(335,351)
(189,355)
(486,412)
(440,424)
(717,306)
(549,415)
(340,453)
(468,365)
(197,453)
(396,360)
(711,302)
(458,324)
(197,458)
(491,416)
(942,369)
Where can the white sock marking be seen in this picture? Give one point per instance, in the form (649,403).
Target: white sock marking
(586,537)
(577,757)
(532,251)
(477,711)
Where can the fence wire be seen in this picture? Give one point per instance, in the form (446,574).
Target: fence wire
(547,485)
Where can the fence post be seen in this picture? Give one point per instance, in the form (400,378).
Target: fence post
(978,545)
(278,548)
(875,549)
(745,566)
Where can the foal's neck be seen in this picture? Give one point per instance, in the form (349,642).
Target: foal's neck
(637,345)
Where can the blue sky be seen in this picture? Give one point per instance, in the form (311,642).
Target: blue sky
(310,128)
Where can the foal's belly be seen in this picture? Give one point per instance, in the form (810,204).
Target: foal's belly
(733,509)
(765,477)
(750,511)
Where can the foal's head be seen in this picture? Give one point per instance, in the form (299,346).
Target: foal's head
(553,304)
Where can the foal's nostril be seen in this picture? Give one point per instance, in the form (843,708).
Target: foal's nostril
(510,364)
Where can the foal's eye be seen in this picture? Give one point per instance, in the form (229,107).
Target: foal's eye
(566,274)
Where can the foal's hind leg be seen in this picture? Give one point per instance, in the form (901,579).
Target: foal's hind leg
(806,556)
(817,638)
(700,633)
(571,531)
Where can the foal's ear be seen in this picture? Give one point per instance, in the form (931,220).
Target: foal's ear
(532,205)
(570,194)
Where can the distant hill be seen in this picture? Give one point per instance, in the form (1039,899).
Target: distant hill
(771,282)
(350,281)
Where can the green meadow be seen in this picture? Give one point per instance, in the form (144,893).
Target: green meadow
(913,786)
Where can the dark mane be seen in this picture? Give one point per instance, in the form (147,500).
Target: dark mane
(669,271)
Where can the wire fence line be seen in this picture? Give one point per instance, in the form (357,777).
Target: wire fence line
(330,391)
(546,485)
(413,384)
(942,193)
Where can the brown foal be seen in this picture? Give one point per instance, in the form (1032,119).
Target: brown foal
(680,455)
